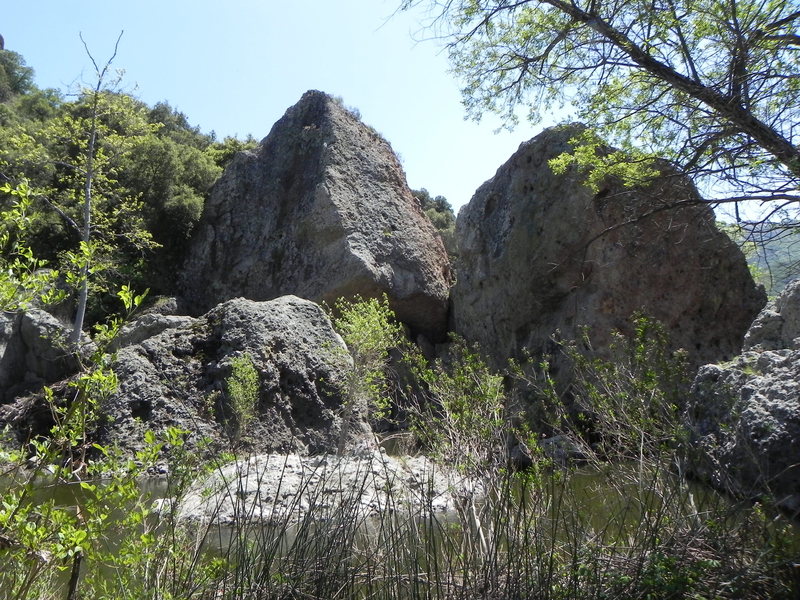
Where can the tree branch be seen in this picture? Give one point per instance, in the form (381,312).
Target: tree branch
(725,106)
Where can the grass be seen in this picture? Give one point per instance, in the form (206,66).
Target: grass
(618,532)
(601,531)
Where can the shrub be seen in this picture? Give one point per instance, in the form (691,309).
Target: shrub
(243,390)
(462,418)
(631,404)
(370,332)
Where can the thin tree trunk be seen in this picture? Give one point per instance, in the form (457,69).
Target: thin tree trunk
(74,577)
(86,234)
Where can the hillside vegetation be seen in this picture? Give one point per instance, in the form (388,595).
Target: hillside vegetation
(152,171)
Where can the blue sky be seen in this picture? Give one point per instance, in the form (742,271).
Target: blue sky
(234,67)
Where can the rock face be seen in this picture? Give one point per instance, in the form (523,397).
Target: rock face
(320,210)
(32,352)
(541,253)
(148,326)
(777,327)
(11,352)
(290,488)
(745,414)
(178,378)
(173,371)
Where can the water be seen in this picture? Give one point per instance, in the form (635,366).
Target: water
(606,513)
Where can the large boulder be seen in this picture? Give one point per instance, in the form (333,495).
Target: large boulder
(33,352)
(282,489)
(179,376)
(541,253)
(745,414)
(320,209)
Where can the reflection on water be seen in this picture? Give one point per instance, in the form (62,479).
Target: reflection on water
(558,513)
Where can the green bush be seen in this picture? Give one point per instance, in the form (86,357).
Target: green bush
(243,391)
(462,419)
(370,332)
(630,403)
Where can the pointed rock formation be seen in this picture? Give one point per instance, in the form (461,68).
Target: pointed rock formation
(320,209)
(541,253)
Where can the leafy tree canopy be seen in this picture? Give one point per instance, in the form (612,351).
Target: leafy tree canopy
(710,85)
(440,213)
(438,209)
(152,171)
(15,76)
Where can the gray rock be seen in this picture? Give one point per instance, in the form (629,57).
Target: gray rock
(564,450)
(778,325)
(283,489)
(320,209)
(163,305)
(745,414)
(12,354)
(45,339)
(177,379)
(540,253)
(32,352)
(146,327)
(745,422)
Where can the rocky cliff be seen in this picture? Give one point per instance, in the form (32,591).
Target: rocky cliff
(320,210)
(541,253)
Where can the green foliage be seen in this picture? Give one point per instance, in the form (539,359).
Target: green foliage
(224,151)
(710,86)
(599,164)
(370,332)
(152,172)
(175,125)
(76,157)
(632,402)
(81,531)
(243,390)
(171,180)
(440,213)
(41,536)
(15,77)
(23,277)
(37,105)
(750,249)
(464,421)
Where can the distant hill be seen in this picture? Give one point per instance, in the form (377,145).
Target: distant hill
(775,258)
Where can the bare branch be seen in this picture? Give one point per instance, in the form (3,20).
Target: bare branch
(69,220)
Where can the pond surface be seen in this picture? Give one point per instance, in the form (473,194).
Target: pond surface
(613,511)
